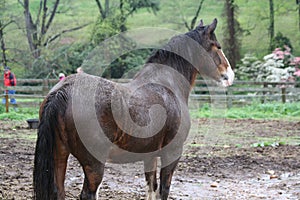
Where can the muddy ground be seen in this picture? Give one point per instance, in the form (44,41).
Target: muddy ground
(222,160)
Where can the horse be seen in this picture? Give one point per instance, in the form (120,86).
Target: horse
(98,120)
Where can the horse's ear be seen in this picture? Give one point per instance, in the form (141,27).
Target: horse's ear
(201,23)
(211,28)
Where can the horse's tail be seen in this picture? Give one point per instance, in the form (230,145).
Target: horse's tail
(43,173)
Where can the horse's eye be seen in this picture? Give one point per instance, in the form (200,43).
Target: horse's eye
(216,44)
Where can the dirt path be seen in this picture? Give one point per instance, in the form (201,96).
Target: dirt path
(222,157)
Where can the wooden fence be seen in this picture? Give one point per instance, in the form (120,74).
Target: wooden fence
(29,92)
(242,92)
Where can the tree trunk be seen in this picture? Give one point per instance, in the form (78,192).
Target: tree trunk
(123,17)
(271,27)
(35,36)
(232,47)
(4,59)
(31,31)
(298,3)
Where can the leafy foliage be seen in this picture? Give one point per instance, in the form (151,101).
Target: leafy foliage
(105,28)
(128,65)
(280,41)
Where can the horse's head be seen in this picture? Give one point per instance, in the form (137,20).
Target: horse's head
(220,69)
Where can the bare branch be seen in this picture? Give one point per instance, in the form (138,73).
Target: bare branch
(21,3)
(193,22)
(102,13)
(45,9)
(3,26)
(52,15)
(39,13)
(186,25)
(51,39)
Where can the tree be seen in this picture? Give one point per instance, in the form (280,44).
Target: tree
(231,33)
(298,3)
(5,21)
(124,9)
(271,25)
(112,20)
(36,30)
(3,48)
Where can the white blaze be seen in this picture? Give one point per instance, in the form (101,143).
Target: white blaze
(229,73)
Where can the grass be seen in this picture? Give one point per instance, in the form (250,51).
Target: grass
(288,111)
(18,113)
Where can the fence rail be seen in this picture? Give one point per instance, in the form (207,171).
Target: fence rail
(241,92)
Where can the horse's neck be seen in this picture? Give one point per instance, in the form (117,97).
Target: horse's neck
(169,77)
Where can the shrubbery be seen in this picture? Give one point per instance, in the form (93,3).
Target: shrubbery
(280,65)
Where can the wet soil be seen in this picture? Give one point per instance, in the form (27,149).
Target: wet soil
(223,159)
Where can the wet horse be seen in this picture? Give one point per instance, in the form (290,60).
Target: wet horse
(100,121)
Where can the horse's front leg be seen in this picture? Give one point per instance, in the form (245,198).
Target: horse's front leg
(93,174)
(166,174)
(150,167)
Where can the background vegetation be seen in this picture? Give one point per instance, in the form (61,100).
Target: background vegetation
(63,42)
(256,110)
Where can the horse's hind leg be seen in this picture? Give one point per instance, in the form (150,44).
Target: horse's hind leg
(61,155)
(93,174)
(166,174)
(150,167)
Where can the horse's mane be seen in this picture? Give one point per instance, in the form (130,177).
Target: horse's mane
(177,61)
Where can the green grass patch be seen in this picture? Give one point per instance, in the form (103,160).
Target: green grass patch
(254,111)
(18,113)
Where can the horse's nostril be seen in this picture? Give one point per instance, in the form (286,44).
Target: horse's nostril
(225,77)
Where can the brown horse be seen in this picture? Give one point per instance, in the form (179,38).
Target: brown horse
(97,120)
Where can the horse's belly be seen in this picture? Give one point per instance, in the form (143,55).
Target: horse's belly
(118,155)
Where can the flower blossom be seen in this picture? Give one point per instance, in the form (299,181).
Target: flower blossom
(297,72)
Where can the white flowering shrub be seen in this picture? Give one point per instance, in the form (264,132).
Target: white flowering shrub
(280,65)
(249,69)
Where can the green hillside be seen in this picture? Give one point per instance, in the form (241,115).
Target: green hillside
(252,16)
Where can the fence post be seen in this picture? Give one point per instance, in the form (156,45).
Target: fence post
(45,86)
(283,94)
(229,97)
(6,102)
(265,85)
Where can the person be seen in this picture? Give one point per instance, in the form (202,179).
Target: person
(9,79)
(79,70)
(61,76)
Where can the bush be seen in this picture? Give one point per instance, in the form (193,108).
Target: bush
(280,41)
(280,65)
(249,69)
